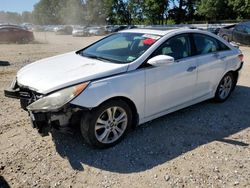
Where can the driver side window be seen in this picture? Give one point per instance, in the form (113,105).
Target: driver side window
(177,47)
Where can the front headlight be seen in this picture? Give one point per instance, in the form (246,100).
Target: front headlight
(58,99)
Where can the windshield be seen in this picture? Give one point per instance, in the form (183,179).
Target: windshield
(120,47)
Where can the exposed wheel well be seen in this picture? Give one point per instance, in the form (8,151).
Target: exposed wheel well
(135,118)
(236,76)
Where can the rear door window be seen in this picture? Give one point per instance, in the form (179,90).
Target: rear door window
(205,44)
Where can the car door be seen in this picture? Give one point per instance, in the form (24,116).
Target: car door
(211,56)
(170,85)
(4,35)
(238,34)
(247,34)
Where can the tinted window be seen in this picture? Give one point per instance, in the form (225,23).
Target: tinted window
(178,47)
(239,28)
(247,29)
(205,44)
(223,47)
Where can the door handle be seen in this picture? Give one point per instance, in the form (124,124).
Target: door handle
(191,69)
(216,55)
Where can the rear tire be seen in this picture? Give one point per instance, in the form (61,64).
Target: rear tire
(225,87)
(106,125)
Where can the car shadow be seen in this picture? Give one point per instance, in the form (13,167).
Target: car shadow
(4,63)
(165,138)
(3,183)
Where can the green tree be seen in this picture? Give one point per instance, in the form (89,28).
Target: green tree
(214,9)
(154,10)
(123,12)
(10,17)
(241,8)
(119,11)
(183,10)
(26,17)
(48,11)
(96,13)
(73,12)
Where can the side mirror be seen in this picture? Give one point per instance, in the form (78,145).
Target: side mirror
(161,60)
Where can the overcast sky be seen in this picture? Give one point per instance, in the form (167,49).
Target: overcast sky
(17,5)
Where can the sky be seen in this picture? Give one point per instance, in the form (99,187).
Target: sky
(17,5)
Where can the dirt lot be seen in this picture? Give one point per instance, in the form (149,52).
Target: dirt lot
(206,145)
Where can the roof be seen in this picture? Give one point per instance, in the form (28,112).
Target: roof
(160,32)
(147,31)
(245,23)
(12,26)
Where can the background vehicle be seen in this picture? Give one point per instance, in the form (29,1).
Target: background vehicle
(214,30)
(96,31)
(80,31)
(121,27)
(16,34)
(125,79)
(238,33)
(64,30)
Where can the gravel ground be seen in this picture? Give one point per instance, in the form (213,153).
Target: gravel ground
(206,145)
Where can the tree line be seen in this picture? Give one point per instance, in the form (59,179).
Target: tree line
(94,12)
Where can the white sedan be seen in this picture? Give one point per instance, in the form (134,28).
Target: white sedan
(126,79)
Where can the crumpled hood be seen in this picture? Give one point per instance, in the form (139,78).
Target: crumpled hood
(50,74)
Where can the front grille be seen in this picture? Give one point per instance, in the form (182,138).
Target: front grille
(25,94)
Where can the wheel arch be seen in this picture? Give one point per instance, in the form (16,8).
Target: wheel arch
(236,76)
(135,115)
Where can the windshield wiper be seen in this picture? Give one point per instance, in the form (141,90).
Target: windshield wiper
(100,58)
(96,57)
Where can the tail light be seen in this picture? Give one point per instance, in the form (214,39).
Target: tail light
(241,57)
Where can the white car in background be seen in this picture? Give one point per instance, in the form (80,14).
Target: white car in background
(96,31)
(126,79)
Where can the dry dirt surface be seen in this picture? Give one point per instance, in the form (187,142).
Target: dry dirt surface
(206,145)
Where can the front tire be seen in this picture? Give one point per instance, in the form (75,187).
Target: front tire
(225,88)
(106,125)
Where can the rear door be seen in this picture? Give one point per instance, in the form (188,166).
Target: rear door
(211,57)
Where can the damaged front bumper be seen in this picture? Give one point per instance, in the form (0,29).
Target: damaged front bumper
(45,121)
(61,120)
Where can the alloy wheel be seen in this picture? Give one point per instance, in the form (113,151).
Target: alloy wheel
(225,87)
(111,125)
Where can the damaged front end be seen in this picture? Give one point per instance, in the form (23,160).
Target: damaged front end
(48,111)
(61,120)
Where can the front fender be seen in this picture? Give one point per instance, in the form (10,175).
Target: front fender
(130,85)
